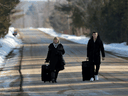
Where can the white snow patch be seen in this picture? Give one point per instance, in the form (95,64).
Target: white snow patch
(77,39)
(7,44)
(120,49)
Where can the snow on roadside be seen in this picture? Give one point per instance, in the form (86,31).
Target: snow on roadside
(77,39)
(7,44)
(121,49)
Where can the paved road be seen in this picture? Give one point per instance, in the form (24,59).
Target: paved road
(10,75)
(113,73)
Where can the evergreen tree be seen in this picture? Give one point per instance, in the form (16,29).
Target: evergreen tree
(6,7)
(58,21)
(108,17)
(115,20)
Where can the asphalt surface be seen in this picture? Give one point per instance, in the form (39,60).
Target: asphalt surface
(113,72)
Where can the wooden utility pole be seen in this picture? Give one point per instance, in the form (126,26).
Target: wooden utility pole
(48,7)
(68,20)
(24,18)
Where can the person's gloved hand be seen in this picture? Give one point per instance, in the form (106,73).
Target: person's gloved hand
(87,59)
(103,58)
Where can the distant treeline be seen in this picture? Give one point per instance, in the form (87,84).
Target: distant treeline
(107,17)
(6,9)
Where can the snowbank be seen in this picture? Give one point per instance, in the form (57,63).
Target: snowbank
(77,39)
(120,49)
(7,44)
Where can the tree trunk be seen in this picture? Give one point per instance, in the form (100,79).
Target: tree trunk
(127,39)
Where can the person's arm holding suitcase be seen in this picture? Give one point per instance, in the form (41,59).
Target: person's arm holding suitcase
(47,60)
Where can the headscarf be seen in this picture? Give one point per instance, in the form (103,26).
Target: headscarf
(56,44)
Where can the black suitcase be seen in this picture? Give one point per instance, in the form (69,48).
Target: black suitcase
(45,73)
(85,70)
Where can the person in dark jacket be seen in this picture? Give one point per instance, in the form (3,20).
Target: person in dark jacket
(94,47)
(55,58)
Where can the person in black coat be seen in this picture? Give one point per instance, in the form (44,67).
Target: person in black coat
(55,58)
(94,47)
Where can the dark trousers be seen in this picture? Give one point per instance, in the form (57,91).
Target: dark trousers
(54,74)
(94,69)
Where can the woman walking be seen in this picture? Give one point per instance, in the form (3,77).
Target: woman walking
(55,58)
(94,47)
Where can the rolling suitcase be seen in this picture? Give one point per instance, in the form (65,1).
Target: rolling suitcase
(45,73)
(85,70)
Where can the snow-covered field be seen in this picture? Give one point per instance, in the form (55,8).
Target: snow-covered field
(120,49)
(7,44)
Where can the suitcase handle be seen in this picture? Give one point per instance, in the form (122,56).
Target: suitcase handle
(86,60)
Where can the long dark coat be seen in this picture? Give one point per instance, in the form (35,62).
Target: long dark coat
(93,50)
(55,57)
